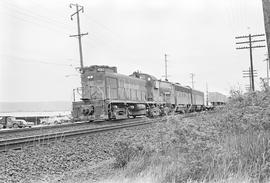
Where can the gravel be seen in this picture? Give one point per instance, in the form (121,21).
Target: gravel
(41,163)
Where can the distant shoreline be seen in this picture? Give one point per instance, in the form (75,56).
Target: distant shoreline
(8,107)
(36,114)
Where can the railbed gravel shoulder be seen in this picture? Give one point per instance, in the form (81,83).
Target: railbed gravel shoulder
(41,163)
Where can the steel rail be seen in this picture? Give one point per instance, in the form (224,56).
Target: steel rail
(19,143)
(5,131)
(54,126)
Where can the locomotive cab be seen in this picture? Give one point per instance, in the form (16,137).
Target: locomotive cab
(92,96)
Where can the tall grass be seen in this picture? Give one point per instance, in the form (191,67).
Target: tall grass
(230,145)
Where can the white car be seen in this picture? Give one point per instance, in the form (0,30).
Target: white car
(55,120)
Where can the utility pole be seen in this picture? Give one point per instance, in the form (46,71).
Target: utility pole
(207,95)
(266,14)
(79,35)
(166,73)
(267,71)
(247,74)
(192,79)
(250,47)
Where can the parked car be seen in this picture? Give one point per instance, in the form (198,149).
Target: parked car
(12,122)
(55,120)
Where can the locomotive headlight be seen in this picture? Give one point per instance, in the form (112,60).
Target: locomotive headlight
(115,106)
(90,77)
(100,69)
(149,79)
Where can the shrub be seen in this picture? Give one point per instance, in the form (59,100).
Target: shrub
(125,151)
(210,147)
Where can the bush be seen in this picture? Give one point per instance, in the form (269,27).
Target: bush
(124,152)
(231,142)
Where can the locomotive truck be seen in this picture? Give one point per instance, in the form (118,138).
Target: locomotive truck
(106,94)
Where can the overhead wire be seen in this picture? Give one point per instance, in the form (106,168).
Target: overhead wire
(92,35)
(62,27)
(35,17)
(31,60)
(56,25)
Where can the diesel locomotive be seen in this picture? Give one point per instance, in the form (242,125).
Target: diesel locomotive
(106,94)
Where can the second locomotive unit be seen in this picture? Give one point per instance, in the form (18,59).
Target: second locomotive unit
(106,94)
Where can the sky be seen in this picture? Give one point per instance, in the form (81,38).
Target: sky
(38,59)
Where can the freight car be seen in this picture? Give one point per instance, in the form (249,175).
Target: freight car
(216,99)
(106,95)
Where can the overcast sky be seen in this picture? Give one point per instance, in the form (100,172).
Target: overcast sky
(38,58)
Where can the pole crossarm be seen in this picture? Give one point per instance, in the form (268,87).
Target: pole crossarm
(247,47)
(250,76)
(254,70)
(249,72)
(254,41)
(255,35)
(79,35)
(240,37)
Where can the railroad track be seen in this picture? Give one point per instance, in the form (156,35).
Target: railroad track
(6,131)
(19,143)
(45,127)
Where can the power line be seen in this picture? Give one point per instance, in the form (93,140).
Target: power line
(267,71)
(31,60)
(192,79)
(166,73)
(207,94)
(250,47)
(34,16)
(166,67)
(37,19)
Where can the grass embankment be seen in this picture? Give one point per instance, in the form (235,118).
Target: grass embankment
(230,145)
